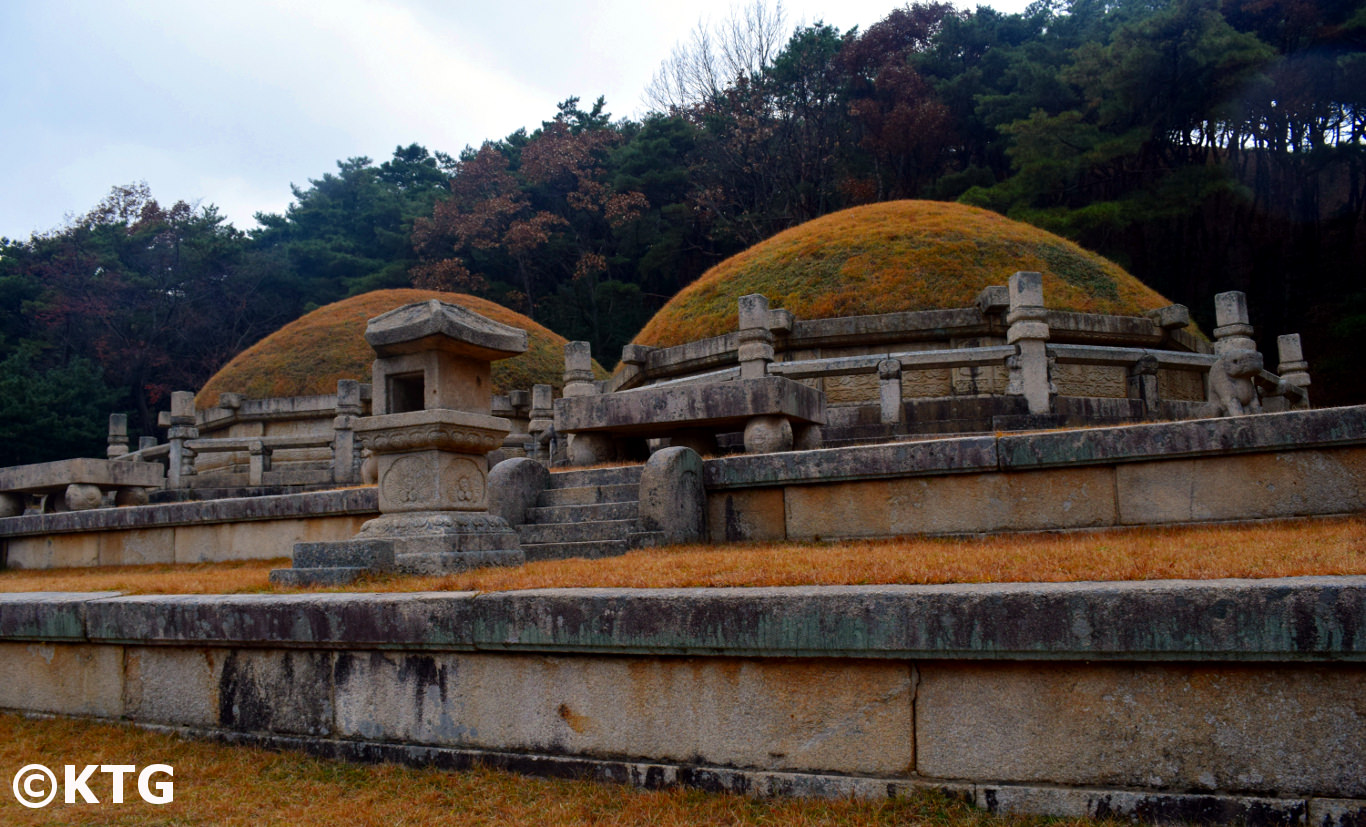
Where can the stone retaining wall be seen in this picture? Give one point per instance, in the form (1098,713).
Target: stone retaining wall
(243,528)
(1217,701)
(1293,464)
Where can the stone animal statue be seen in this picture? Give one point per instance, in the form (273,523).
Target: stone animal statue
(1231,392)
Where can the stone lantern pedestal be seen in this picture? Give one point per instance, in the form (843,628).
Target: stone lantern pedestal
(429,439)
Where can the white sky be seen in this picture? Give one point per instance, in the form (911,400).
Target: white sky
(229,103)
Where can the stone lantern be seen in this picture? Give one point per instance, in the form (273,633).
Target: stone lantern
(429,438)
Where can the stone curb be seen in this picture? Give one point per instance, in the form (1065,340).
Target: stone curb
(1310,619)
(274,507)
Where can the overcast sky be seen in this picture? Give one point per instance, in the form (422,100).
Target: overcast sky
(229,103)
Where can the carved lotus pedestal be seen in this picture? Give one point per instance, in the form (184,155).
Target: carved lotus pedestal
(433,484)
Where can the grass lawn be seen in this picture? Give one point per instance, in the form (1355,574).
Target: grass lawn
(1274,549)
(228,785)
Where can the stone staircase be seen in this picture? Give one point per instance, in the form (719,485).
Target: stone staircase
(589,513)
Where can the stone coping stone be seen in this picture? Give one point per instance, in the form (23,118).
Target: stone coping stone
(343,501)
(1291,430)
(56,616)
(1326,427)
(52,476)
(1305,619)
(663,410)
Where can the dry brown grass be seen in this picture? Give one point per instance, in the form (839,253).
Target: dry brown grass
(1278,549)
(895,256)
(223,785)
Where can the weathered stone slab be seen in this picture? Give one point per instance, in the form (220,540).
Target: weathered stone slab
(658,411)
(1292,430)
(439,620)
(747,515)
(1185,728)
(64,679)
(775,715)
(938,456)
(275,507)
(54,476)
(274,690)
(171,685)
(1243,487)
(962,503)
(1143,807)
(46,615)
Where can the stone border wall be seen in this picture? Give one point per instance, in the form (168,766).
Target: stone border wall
(1209,701)
(199,531)
(1293,464)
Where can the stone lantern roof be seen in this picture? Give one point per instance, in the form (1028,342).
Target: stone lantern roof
(449,328)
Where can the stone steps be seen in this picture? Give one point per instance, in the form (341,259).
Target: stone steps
(592,530)
(583,513)
(588,495)
(590,549)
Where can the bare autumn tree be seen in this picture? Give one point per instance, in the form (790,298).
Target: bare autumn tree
(714,57)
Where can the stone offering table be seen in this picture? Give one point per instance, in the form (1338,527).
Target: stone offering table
(768,409)
(78,484)
(429,442)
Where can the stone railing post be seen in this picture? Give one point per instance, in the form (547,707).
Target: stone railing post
(145,442)
(1029,333)
(1229,388)
(118,436)
(542,419)
(346,454)
(258,463)
(1143,385)
(180,460)
(889,391)
(1293,369)
(578,370)
(755,349)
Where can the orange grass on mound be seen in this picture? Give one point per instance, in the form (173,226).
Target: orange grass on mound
(1280,549)
(891,257)
(222,785)
(308,355)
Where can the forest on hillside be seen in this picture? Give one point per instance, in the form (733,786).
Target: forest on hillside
(1204,145)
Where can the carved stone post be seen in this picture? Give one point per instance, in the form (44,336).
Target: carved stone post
(1143,385)
(1293,368)
(1029,333)
(542,419)
(578,370)
(889,391)
(180,461)
(346,455)
(118,436)
(756,339)
(1229,389)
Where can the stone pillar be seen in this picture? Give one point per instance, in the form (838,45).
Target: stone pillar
(1143,385)
(118,436)
(145,442)
(889,391)
(1293,368)
(346,454)
(1232,324)
(258,463)
(542,422)
(756,339)
(673,499)
(180,461)
(578,370)
(1029,333)
(1229,387)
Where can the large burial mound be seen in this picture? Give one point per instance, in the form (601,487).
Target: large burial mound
(308,355)
(895,256)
